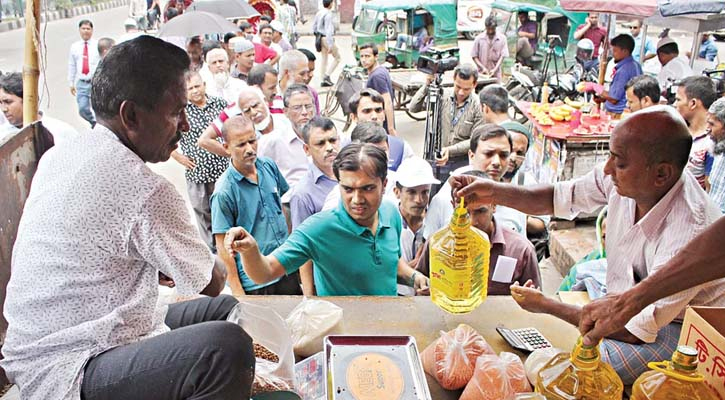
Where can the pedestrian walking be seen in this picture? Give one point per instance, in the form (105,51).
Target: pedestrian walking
(324,29)
(82,63)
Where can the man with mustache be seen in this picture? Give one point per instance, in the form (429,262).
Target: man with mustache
(362,226)
(322,143)
(92,327)
(716,131)
(249,195)
(222,84)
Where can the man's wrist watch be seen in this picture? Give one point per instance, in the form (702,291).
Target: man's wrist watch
(412,278)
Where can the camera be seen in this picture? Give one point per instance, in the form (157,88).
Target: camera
(436,61)
(554,41)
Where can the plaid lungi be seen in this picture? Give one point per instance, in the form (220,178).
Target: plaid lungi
(630,360)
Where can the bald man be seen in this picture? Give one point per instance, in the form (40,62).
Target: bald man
(654,209)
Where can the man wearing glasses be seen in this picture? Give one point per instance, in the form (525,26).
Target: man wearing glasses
(635,29)
(286,147)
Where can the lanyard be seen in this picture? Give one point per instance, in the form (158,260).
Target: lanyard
(461,111)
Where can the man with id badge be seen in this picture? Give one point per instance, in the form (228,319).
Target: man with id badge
(460,113)
(248,194)
(513,258)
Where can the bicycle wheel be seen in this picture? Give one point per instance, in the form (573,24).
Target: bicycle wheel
(331,103)
(419,116)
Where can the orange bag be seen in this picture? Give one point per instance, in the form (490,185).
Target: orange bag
(497,378)
(452,358)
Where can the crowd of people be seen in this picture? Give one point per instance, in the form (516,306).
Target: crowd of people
(279,193)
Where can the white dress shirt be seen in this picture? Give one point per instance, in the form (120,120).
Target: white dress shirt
(75,61)
(286,149)
(676,69)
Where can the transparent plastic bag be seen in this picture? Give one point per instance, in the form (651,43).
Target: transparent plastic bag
(537,359)
(497,378)
(268,329)
(310,322)
(451,359)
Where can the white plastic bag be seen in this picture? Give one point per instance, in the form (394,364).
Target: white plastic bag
(537,359)
(268,329)
(310,322)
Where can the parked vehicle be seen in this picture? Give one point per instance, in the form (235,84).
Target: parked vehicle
(471,17)
(436,19)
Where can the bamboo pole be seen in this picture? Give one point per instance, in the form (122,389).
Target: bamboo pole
(30,67)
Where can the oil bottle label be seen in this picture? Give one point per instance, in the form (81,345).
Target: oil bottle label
(453,282)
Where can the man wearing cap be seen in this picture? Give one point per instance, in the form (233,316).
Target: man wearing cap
(413,182)
(222,84)
(507,247)
(278,36)
(674,67)
(244,55)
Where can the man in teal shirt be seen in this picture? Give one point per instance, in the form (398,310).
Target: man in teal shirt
(248,194)
(355,248)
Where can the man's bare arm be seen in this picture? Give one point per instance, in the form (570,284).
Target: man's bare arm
(259,268)
(208,141)
(231,266)
(308,279)
(218,277)
(700,261)
(532,200)
(389,113)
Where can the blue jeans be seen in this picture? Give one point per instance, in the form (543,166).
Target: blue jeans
(83,98)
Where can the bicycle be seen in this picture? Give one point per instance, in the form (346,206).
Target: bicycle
(352,79)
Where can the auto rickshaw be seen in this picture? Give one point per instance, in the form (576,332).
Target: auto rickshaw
(420,25)
(555,34)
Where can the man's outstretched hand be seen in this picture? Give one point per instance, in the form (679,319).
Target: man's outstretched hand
(238,240)
(605,316)
(475,191)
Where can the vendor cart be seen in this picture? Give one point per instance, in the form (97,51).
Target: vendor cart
(558,154)
(420,318)
(407,81)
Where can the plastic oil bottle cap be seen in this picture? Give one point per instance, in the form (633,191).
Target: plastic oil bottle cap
(685,358)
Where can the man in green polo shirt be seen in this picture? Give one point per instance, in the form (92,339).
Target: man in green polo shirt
(355,248)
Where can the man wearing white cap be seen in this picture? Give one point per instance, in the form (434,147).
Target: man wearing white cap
(222,84)
(674,67)
(244,53)
(278,36)
(413,182)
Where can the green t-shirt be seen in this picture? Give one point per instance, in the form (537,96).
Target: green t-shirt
(348,259)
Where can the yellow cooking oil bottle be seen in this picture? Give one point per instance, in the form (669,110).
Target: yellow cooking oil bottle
(459,256)
(580,375)
(677,379)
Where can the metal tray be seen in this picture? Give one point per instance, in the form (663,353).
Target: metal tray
(374,368)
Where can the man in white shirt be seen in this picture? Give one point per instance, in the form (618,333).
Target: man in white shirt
(92,327)
(222,84)
(674,67)
(11,105)
(82,63)
(286,146)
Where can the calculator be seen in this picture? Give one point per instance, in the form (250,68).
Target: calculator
(524,339)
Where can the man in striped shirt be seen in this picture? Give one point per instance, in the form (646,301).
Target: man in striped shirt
(716,131)
(655,208)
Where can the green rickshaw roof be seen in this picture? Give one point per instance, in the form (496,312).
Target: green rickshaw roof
(543,6)
(443,11)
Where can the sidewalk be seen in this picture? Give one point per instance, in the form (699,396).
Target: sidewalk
(63,14)
(306,29)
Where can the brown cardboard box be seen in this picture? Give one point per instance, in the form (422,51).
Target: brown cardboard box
(704,330)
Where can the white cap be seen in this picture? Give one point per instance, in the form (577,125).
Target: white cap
(240,44)
(130,22)
(415,171)
(276,26)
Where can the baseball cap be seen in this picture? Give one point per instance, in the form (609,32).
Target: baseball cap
(276,26)
(665,41)
(415,171)
(241,44)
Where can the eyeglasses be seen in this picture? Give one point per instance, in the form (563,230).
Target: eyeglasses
(306,107)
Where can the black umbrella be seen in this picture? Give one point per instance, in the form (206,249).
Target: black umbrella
(226,8)
(196,23)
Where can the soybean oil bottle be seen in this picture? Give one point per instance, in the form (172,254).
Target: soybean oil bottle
(459,256)
(580,375)
(677,379)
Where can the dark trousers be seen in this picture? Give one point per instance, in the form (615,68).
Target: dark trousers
(203,357)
